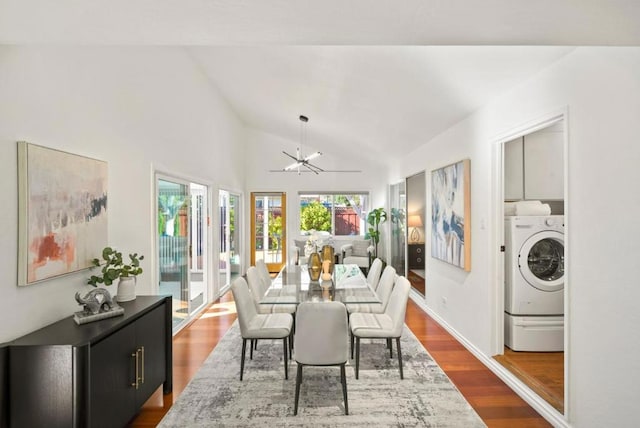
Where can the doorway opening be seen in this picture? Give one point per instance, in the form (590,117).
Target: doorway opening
(533,243)
(416,196)
(182,242)
(269,229)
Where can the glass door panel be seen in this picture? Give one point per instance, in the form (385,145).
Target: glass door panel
(224,270)
(173,245)
(198,248)
(235,242)
(268,229)
(397,204)
(182,246)
(229,263)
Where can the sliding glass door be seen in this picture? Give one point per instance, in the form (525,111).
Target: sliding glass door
(268,229)
(397,204)
(182,245)
(230,242)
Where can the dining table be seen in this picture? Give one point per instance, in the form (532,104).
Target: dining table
(293,285)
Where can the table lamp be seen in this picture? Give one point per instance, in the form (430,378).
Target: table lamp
(415,222)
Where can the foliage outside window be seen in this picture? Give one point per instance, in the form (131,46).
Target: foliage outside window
(275,232)
(315,216)
(339,214)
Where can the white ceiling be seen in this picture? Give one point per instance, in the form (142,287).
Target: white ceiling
(374,76)
(380,101)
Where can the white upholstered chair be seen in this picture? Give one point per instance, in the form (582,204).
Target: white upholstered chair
(255,326)
(257,281)
(385,285)
(258,287)
(383,326)
(264,272)
(373,276)
(321,340)
(357,252)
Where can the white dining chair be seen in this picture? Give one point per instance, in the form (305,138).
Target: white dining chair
(321,340)
(254,326)
(385,285)
(373,276)
(264,272)
(387,325)
(259,288)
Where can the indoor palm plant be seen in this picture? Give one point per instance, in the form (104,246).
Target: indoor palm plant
(114,268)
(375,218)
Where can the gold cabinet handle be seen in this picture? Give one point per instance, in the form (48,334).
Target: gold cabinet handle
(135,356)
(142,364)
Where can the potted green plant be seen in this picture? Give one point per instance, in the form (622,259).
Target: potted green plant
(114,268)
(375,218)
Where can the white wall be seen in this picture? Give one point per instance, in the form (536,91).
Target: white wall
(129,106)
(136,108)
(600,87)
(264,153)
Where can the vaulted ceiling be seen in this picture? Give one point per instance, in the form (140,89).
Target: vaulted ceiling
(377,76)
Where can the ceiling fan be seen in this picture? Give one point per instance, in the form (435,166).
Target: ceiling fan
(304,162)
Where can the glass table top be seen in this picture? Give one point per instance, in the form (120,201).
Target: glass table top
(293,285)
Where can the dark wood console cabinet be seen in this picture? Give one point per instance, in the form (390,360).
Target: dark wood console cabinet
(92,375)
(416,256)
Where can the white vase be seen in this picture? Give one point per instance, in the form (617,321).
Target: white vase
(126,289)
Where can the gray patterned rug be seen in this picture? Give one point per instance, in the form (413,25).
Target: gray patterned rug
(216,397)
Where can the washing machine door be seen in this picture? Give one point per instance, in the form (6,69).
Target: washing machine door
(541,260)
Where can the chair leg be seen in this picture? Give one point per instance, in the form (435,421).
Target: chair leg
(244,348)
(351,334)
(343,379)
(399,357)
(251,345)
(255,344)
(298,382)
(390,346)
(290,343)
(357,356)
(285,347)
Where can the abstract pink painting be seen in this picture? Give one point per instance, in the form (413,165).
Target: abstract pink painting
(62,212)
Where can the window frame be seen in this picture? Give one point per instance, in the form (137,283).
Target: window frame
(365,202)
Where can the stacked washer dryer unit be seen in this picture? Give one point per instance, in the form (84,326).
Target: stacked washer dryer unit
(534,283)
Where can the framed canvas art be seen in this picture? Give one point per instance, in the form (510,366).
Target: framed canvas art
(451,214)
(62,221)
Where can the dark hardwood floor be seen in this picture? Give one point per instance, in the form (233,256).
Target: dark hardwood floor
(417,281)
(492,399)
(543,372)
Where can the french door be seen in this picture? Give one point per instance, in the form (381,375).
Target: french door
(269,229)
(229,266)
(182,242)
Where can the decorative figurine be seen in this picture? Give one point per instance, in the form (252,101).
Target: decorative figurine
(96,301)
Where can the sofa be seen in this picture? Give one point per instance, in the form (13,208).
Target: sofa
(317,240)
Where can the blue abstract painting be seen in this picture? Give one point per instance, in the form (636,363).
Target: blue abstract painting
(450,214)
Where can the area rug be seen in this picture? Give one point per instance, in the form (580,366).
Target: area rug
(379,398)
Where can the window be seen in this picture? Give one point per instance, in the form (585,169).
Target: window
(338,213)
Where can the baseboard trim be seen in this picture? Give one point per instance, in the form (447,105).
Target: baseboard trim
(541,406)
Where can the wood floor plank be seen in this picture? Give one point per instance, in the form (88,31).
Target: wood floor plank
(492,399)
